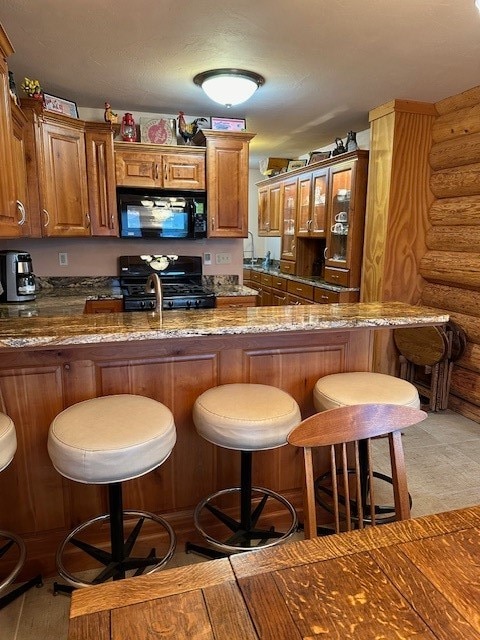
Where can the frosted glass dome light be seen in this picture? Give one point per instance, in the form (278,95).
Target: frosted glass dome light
(229,86)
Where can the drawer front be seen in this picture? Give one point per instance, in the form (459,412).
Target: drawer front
(256,276)
(300,289)
(337,276)
(326,296)
(286,266)
(266,279)
(279,283)
(234,302)
(296,300)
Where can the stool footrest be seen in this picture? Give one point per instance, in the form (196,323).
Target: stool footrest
(245,535)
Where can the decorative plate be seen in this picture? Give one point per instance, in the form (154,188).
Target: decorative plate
(158,130)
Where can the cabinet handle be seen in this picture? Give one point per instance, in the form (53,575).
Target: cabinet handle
(47,218)
(309,225)
(87,219)
(213,224)
(112,222)
(267,226)
(325,253)
(23,213)
(156,171)
(165,177)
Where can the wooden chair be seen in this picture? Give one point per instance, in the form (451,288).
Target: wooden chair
(352,428)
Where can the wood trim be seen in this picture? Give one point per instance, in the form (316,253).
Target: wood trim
(402,106)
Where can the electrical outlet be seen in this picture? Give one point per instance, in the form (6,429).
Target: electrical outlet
(223,258)
(63,259)
(207,258)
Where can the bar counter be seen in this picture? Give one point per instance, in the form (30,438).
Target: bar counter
(89,329)
(50,363)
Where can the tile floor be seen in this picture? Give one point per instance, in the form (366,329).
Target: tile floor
(443,464)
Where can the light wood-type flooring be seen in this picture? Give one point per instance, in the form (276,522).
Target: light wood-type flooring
(443,464)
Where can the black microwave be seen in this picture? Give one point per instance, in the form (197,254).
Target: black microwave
(162,214)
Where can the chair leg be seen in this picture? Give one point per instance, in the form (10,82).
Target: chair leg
(18,591)
(13,540)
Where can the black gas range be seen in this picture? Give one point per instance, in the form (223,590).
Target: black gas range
(181,278)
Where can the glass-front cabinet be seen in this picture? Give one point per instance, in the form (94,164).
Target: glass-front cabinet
(312,204)
(289,210)
(346,217)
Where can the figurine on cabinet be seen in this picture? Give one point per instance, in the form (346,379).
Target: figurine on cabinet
(109,116)
(351,143)
(339,148)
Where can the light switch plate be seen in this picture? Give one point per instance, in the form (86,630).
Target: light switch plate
(207,258)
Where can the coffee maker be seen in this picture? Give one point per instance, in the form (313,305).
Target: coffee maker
(16,277)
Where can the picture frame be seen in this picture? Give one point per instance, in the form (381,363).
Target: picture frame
(296,164)
(228,124)
(161,130)
(316,156)
(60,105)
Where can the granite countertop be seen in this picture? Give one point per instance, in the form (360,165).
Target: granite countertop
(274,270)
(120,327)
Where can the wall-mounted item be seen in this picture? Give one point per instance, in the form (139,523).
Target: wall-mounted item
(128,130)
(60,105)
(296,164)
(159,130)
(316,156)
(229,124)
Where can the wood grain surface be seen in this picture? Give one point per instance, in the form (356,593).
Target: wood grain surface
(410,579)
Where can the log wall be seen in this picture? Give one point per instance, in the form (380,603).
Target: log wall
(451,264)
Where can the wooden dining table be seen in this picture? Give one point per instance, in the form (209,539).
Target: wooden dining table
(419,578)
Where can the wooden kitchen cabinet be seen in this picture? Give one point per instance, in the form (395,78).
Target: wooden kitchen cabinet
(70,173)
(234,302)
(289,212)
(106,305)
(269,210)
(227,182)
(163,167)
(102,196)
(11,216)
(346,197)
(311,212)
(30,223)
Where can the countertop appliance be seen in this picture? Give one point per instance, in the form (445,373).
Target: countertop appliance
(181,278)
(16,276)
(162,214)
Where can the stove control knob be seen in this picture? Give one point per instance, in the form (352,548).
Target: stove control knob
(189,304)
(151,304)
(170,304)
(142,304)
(197,303)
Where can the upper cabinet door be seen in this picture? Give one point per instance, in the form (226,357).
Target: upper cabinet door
(290,191)
(182,171)
(102,196)
(269,210)
(227,183)
(137,168)
(65,194)
(304,217)
(11,215)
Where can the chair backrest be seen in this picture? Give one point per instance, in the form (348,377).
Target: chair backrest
(347,432)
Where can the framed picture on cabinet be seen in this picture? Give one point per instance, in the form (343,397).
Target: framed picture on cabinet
(60,105)
(296,164)
(316,156)
(228,124)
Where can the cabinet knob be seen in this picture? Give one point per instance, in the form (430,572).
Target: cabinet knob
(23,213)
(46,215)
(213,224)
(87,219)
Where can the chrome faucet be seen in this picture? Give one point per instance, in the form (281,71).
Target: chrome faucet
(154,283)
(252,260)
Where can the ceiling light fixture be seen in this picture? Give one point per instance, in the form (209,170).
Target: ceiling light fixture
(229,86)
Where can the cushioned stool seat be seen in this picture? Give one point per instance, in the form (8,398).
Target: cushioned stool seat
(8,540)
(247,418)
(109,440)
(361,387)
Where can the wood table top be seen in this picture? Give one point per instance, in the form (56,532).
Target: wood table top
(413,579)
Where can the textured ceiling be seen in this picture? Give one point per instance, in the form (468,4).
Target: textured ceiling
(326,62)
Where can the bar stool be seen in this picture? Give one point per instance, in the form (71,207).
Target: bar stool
(8,446)
(244,417)
(354,388)
(109,440)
